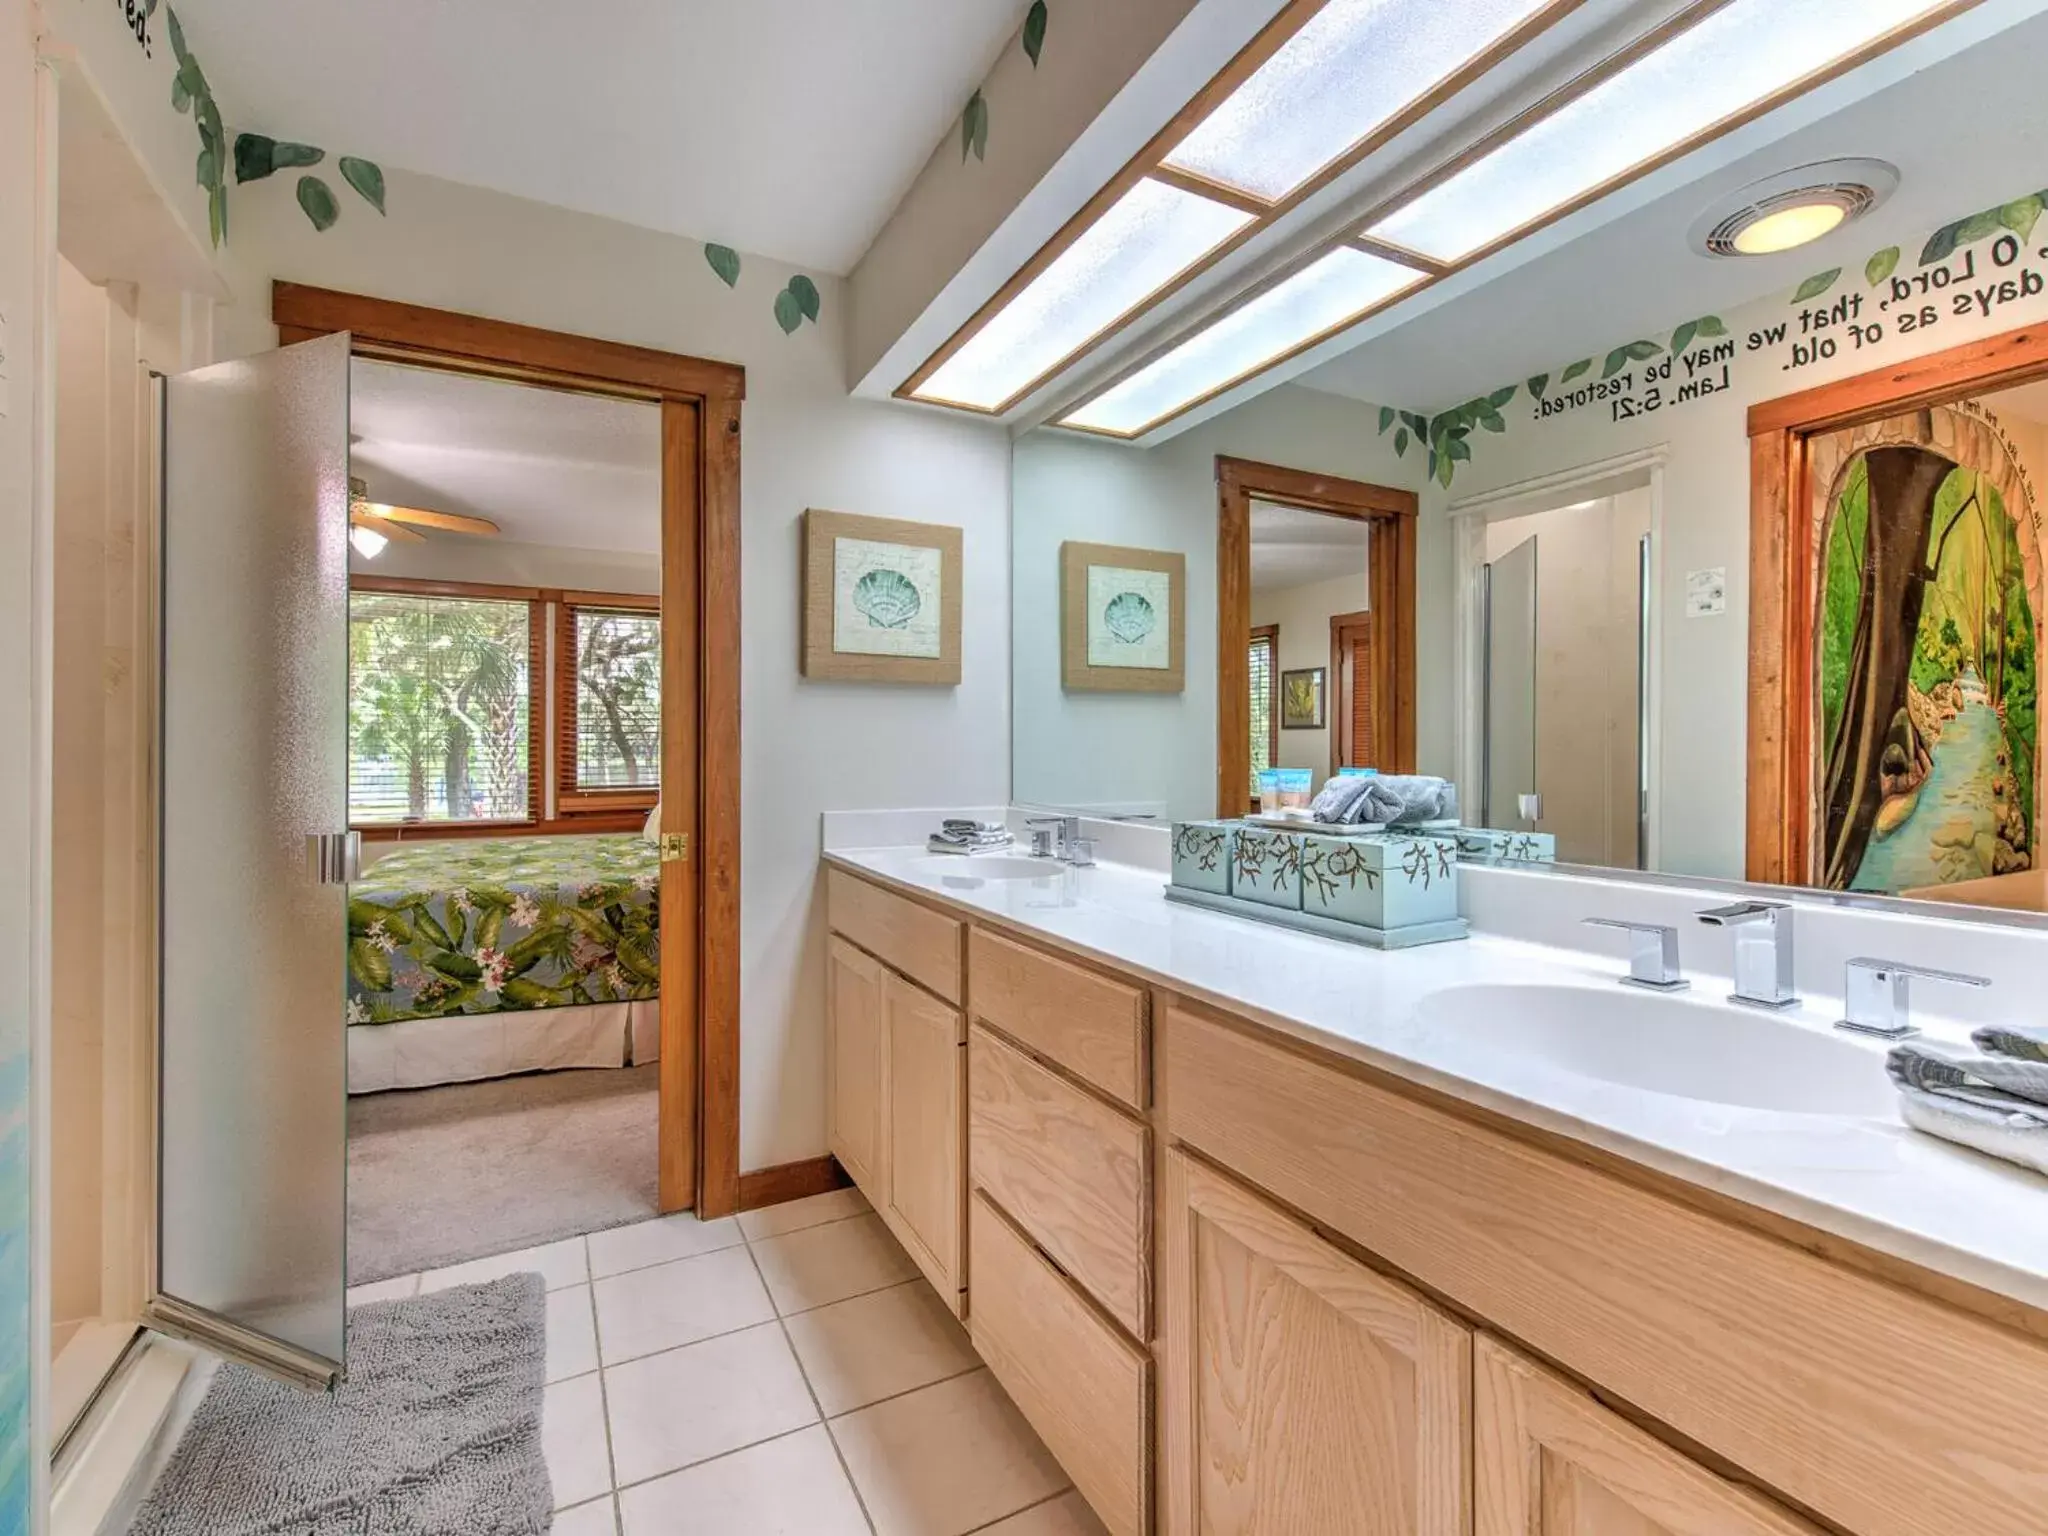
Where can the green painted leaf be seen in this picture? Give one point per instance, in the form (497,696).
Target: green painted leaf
(1710,325)
(1537,384)
(1816,285)
(1940,245)
(189,82)
(1881,265)
(1581,366)
(207,169)
(317,198)
(806,293)
(2020,214)
(1446,466)
(1387,415)
(1418,424)
(789,314)
(366,176)
(1493,421)
(209,123)
(1034,31)
(1429,471)
(177,32)
(1501,396)
(1642,351)
(1458,449)
(285,155)
(974,127)
(1401,443)
(1616,361)
(1682,337)
(181,95)
(254,156)
(1978,225)
(725,261)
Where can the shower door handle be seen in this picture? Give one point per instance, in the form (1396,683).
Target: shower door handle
(334,858)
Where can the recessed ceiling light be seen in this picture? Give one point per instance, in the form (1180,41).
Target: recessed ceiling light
(1792,208)
(1692,86)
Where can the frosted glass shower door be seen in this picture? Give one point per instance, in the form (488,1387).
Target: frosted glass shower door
(1509,728)
(253,1109)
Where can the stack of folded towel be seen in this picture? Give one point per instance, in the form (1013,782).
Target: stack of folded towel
(1994,1099)
(1390,799)
(959,835)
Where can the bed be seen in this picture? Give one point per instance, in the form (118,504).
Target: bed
(475,958)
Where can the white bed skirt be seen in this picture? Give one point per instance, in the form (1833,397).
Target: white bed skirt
(418,1053)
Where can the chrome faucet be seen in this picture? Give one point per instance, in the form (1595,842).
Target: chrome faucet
(1763,951)
(1652,954)
(1874,995)
(1059,837)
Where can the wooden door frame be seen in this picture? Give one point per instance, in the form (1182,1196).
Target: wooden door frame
(1781,597)
(1392,513)
(1374,620)
(700,432)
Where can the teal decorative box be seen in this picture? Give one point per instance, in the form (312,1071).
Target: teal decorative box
(1385,880)
(1266,867)
(1485,845)
(1201,856)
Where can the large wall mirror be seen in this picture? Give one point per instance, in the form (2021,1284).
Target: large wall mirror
(1706,543)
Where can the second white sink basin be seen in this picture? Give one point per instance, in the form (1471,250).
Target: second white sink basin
(1681,1045)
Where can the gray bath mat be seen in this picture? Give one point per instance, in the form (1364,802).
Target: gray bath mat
(436,1431)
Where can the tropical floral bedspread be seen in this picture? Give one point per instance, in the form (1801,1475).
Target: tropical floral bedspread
(519,922)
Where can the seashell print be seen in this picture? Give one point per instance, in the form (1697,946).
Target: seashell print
(888,598)
(1129,617)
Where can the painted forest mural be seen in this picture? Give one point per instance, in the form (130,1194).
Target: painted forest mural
(1927,654)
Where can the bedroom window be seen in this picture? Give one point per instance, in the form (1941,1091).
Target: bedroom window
(608,710)
(440,707)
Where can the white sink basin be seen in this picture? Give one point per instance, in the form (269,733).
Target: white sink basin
(986,866)
(1682,1045)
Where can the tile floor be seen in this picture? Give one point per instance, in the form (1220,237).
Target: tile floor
(785,1371)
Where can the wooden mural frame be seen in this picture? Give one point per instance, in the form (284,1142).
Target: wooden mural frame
(1778,835)
(1077,673)
(820,662)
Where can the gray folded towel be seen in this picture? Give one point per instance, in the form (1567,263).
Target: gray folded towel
(2027,1042)
(1985,1078)
(1389,799)
(2018,1136)
(957,834)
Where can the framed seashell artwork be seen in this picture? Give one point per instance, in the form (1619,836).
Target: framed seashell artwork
(1123,622)
(881,599)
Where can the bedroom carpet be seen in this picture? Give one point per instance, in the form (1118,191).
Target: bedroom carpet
(436,1430)
(440,1175)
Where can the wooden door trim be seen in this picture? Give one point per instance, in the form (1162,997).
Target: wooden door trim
(1392,514)
(1780,746)
(1343,729)
(700,402)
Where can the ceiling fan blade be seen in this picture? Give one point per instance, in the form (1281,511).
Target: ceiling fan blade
(451,522)
(385,526)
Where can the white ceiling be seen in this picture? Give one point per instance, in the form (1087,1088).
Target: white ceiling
(1292,548)
(549,467)
(1965,133)
(790,128)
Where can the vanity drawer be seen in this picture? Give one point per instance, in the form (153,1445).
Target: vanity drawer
(1074,1172)
(1885,1411)
(1089,1024)
(1085,1388)
(924,945)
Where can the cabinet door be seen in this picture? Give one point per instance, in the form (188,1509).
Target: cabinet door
(1302,1394)
(925,1131)
(1550,1461)
(853,1055)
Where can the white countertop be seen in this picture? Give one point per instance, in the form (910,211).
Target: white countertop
(1873,1182)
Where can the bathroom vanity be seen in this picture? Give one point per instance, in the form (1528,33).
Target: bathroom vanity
(1264,1234)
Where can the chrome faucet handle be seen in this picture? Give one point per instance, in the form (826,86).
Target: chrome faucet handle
(1875,997)
(1652,954)
(1763,951)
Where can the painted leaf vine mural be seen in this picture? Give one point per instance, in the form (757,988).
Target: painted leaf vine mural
(258,156)
(191,92)
(974,116)
(797,302)
(1034,31)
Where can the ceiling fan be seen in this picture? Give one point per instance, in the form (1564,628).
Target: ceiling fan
(373,524)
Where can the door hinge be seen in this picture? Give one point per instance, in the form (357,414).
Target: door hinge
(675,847)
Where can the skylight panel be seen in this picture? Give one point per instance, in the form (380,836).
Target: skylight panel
(1146,239)
(1351,68)
(1735,58)
(1338,288)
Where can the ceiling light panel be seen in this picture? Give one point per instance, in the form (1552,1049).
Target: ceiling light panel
(1351,68)
(1338,288)
(1151,235)
(1733,59)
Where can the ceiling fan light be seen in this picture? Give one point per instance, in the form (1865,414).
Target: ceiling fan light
(368,542)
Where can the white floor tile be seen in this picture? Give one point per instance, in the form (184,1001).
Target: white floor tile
(681,1236)
(647,1310)
(572,1433)
(772,1220)
(946,1459)
(1068,1515)
(687,1405)
(559,1264)
(815,1266)
(384,1290)
(859,1351)
(597,1518)
(572,1333)
(788,1487)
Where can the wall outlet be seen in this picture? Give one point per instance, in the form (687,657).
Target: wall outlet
(1706,592)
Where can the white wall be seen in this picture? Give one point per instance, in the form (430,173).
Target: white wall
(1094,748)
(1303,614)
(806,747)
